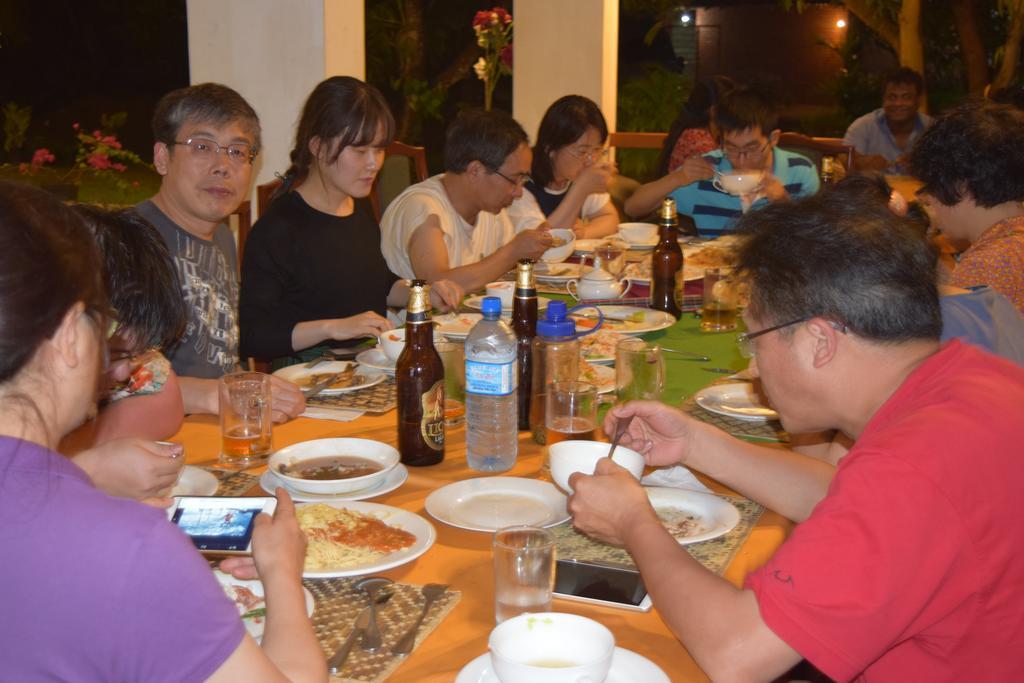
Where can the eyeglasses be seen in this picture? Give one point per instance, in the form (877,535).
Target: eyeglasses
(519,180)
(745,340)
(237,153)
(588,153)
(748,151)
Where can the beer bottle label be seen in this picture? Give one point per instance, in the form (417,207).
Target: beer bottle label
(491,379)
(432,422)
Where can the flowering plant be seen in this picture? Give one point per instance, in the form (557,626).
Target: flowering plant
(99,154)
(494,35)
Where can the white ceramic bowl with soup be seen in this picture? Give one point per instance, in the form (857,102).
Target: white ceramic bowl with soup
(738,182)
(393,341)
(638,233)
(567,457)
(334,465)
(564,245)
(550,647)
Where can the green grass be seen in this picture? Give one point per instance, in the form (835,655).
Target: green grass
(96,190)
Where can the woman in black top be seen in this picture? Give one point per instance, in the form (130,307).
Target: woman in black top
(313,273)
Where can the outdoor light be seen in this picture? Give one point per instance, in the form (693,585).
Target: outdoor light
(685,18)
(841,23)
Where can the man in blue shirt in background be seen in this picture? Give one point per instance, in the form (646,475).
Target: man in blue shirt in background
(748,124)
(882,138)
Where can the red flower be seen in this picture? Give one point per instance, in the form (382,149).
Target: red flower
(42,156)
(506,56)
(120,168)
(74,125)
(135,183)
(481,19)
(503,15)
(99,161)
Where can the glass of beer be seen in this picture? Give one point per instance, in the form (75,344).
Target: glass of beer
(246,426)
(721,299)
(454,362)
(571,411)
(639,370)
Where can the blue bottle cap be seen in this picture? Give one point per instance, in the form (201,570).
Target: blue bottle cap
(491,307)
(555,322)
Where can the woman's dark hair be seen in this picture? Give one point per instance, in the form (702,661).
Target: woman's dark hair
(48,262)
(853,262)
(564,123)
(976,148)
(139,275)
(696,113)
(342,112)
(203,103)
(484,136)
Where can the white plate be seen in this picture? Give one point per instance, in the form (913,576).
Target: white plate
(396,477)
(255,625)
(639,246)
(557,272)
(715,516)
(627,667)
(396,517)
(633,273)
(599,347)
(295,373)
(492,503)
(194,482)
(477,302)
(600,375)
(735,400)
(652,320)
(457,325)
(375,359)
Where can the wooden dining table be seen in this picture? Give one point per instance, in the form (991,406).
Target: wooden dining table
(463,560)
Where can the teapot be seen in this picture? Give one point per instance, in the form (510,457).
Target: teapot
(597,284)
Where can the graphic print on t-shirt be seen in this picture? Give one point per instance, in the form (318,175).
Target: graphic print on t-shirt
(210,291)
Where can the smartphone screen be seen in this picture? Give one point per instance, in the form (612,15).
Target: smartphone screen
(219,524)
(599,583)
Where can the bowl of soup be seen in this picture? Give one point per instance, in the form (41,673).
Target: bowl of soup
(393,341)
(563,242)
(334,465)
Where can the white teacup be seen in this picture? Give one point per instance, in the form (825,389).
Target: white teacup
(502,290)
(638,233)
(567,457)
(550,647)
(738,182)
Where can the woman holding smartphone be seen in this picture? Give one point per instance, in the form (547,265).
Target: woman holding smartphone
(96,587)
(313,275)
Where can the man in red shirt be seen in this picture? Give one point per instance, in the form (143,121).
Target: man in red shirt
(906,562)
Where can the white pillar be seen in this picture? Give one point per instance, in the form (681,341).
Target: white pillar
(564,47)
(274,53)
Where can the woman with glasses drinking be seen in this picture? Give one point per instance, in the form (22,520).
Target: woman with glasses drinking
(570,173)
(747,121)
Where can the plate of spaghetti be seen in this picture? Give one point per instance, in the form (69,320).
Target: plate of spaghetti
(350,538)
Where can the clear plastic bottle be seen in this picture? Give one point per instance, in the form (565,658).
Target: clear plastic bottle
(491,432)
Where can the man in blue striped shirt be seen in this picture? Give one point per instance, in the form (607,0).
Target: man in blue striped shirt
(747,121)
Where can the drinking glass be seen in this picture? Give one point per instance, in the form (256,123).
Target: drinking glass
(721,299)
(610,256)
(639,370)
(571,411)
(454,361)
(246,426)
(524,571)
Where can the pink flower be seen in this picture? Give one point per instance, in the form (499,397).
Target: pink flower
(74,125)
(506,56)
(42,156)
(502,14)
(481,19)
(120,168)
(99,161)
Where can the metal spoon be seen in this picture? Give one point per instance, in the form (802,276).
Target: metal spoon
(689,354)
(431,593)
(338,660)
(372,640)
(620,429)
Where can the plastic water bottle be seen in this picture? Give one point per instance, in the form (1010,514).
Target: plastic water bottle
(491,430)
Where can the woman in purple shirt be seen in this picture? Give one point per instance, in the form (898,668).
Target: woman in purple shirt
(96,588)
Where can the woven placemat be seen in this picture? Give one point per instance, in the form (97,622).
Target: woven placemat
(338,603)
(380,398)
(232,484)
(715,554)
(770,430)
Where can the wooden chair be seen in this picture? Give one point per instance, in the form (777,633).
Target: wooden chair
(243,223)
(816,148)
(263,194)
(391,180)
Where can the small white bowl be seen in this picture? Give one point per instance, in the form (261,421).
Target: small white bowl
(567,457)
(560,253)
(381,453)
(548,647)
(503,290)
(638,233)
(393,341)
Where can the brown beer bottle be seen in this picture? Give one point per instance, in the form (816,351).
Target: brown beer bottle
(419,376)
(524,324)
(667,263)
(828,170)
